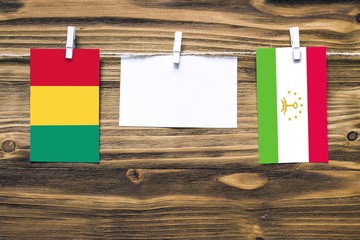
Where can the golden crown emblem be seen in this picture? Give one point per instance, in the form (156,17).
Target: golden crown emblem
(297,103)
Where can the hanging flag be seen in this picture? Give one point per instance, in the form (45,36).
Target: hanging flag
(64,105)
(292,118)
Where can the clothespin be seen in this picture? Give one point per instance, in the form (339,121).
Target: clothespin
(295,42)
(70,42)
(177,47)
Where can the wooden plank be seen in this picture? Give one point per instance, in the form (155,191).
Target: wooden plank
(187,147)
(179,183)
(149,25)
(103,200)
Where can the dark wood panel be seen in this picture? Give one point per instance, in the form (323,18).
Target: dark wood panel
(165,183)
(103,200)
(186,147)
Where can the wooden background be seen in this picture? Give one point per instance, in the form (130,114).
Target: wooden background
(180,183)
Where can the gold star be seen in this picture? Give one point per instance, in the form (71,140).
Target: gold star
(301,105)
(289,119)
(289,92)
(295,117)
(300,112)
(299,98)
(295,93)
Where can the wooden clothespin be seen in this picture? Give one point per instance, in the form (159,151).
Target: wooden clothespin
(70,42)
(177,47)
(295,42)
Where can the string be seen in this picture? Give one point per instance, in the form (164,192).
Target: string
(129,54)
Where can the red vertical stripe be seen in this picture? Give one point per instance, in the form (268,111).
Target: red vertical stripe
(316,83)
(49,67)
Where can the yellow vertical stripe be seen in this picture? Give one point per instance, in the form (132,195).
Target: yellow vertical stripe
(63,105)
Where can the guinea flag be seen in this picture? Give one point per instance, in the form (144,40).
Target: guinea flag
(64,105)
(292,118)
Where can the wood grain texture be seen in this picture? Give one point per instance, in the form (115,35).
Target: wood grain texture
(166,183)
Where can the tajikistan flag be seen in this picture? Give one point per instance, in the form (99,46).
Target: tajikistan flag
(291,96)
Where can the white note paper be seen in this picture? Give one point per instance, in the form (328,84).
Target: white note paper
(200,92)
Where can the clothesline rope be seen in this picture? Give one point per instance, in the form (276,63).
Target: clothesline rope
(119,54)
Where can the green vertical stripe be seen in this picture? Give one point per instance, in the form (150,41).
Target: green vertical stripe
(267,108)
(64,144)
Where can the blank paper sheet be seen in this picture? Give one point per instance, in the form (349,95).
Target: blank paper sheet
(200,92)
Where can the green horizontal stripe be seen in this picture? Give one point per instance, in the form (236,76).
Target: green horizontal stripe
(267,107)
(64,143)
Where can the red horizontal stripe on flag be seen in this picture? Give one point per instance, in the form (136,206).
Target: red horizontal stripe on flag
(49,67)
(317,88)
